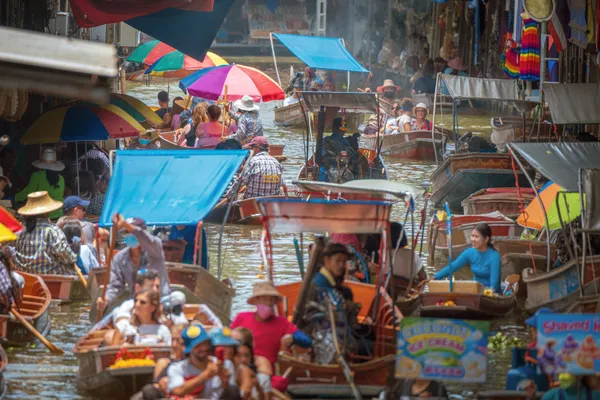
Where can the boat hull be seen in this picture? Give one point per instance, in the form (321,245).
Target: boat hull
(243,212)
(378,170)
(468,306)
(417,145)
(504,200)
(65,288)
(291,116)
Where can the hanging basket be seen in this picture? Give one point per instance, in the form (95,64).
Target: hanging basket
(539,10)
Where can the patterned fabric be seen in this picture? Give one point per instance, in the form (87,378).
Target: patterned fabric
(96,204)
(511,63)
(529,63)
(249,125)
(98,155)
(262,176)
(45,250)
(6,297)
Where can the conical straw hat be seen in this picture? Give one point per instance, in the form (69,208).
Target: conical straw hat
(39,203)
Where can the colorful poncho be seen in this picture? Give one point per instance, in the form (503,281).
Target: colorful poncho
(529,63)
(511,63)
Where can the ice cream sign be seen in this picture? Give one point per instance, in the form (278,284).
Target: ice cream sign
(442,349)
(569,343)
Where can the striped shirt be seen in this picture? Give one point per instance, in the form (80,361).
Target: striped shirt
(262,176)
(45,250)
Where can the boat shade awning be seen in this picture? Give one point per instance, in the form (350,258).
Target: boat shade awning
(371,187)
(561,162)
(162,186)
(321,216)
(504,90)
(321,52)
(574,103)
(351,102)
(590,179)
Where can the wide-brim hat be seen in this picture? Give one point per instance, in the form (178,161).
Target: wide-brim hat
(185,103)
(246,103)
(222,337)
(192,336)
(457,64)
(39,203)
(388,83)
(49,161)
(263,289)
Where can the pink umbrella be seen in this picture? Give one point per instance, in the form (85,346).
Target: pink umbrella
(210,84)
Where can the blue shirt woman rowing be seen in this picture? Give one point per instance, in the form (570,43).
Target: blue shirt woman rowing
(483,258)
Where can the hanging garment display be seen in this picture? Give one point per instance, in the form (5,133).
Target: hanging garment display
(529,61)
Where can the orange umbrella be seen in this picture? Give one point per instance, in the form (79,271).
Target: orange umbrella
(568,205)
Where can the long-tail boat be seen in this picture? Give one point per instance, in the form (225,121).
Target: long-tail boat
(33,305)
(101,374)
(504,200)
(415,145)
(3,364)
(291,116)
(66,288)
(368,374)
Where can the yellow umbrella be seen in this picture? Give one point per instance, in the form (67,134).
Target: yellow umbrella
(568,204)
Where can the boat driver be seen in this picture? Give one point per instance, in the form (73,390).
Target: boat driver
(340,158)
(143,251)
(262,175)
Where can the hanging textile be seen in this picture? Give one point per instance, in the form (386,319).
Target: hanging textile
(578,23)
(529,62)
(559,25)
(591,27)
(511,63)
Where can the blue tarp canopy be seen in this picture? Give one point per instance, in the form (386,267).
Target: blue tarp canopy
(321,52)
(169,187)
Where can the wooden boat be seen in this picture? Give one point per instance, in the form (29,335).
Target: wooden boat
(33,305)
(377,168)
(291,116)
(462,226)
(516,263)
(96,373)
(416,145)
(460,175)
(505,395)
(198,285)
(469,300)
(585,305)
(243,212)
(66,288)
(308,379)
(3,364)
(504,200)
(518,246)
(560,288)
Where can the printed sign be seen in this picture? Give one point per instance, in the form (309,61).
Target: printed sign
(569,343)
(442,349)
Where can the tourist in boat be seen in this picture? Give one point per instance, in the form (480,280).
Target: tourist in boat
(75,207)
(389,89)
(252,383)
(405,120)
(199,374)
(271,332)
(143,251)
(188,133)
(417,388)
(262,175)
(188,234)
(163,103)
(391,125)
(249,124)
(149,331)
(46,179)
(42,248)
(421,123)
(483,258)
(329,85)
(312,81)
(296,94)
(97,200)
(209,134)
(86,257)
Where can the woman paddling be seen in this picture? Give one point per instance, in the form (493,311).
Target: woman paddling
(483,258)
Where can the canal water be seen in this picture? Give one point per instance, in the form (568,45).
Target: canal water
(34,373)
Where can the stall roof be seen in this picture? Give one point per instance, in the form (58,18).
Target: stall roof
(574,103)
(153,184)
(375,187)
(354,102)
(561,162)
(320,216)
(321,52)
(505,90)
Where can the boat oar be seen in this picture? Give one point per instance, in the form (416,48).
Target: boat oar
(30,328)
(340,358)
(449,234)
(80,275)
(113,242)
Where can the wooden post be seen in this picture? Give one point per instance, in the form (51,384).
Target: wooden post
(311,270)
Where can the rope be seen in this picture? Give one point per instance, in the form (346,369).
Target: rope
(522,210)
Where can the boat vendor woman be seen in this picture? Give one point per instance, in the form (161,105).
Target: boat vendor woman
(249,123)
(42,248)
(143,251)
(483,258)
(47,179)
(421,123)
(208,134)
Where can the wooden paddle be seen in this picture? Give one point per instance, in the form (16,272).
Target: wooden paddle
(80,275)
(113,242)
(30,328)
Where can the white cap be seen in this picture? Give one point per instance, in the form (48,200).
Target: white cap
(421,105)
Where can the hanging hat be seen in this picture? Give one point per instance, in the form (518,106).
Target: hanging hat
(39,203)
(388,83)
(457,64)
(48,161)
(263,289)
(246,103)
(422,106)
(192,336)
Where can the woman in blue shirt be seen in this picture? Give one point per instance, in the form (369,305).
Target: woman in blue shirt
(483,258)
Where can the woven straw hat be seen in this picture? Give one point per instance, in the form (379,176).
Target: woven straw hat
(263,289)
(39,203)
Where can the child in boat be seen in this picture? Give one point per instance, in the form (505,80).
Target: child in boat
(483,258)
(244,356)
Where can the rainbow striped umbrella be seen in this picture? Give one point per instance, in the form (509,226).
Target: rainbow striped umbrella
(210,84)
(80,122)
(150,52)
(136,108)
(178,65)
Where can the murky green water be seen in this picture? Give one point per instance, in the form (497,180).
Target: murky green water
(35,374)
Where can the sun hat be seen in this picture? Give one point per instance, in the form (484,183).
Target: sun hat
(74,201)
(263,289)
(259,141)
(8,182)
(422,106)
(39,203)
(246,103)
(533,320)
(185,103)
(222,337)
(388,83)
(48,161)
(192,336)
(457,64)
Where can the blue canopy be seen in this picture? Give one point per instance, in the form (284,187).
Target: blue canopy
(169,187)
(321,52)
